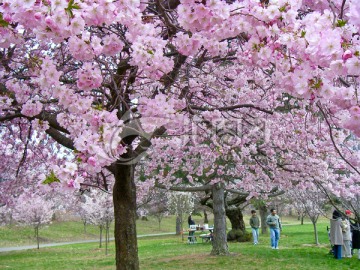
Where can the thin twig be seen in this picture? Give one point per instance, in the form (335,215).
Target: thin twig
(333,141)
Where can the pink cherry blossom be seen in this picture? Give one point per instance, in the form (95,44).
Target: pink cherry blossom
(346,55)
(31,108)
(89,77)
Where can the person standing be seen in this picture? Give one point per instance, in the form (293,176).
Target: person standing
(273,221)
(190,221)
(336,235)
(191,237)
(255,224)
(355,227)
(346,248)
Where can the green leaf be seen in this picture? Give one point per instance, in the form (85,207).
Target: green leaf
(98,107)
(76,6)
(71,6)
(2,22)
(51,179)
(71,2)
(340,23)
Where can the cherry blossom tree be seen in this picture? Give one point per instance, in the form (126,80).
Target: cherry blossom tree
(105,79)
(33,210)
(313,202)
(98,209)
(157,206)
(5,215)
(182,205)
(353,205)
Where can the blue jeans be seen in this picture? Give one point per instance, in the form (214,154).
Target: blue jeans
(337,251)
(255,233)
(274,237)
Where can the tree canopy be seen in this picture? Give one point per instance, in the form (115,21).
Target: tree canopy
(250,94)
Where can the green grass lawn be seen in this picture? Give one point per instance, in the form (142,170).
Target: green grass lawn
(297,251)
(74,231)
(54,232)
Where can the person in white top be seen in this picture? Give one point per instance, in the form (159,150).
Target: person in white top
(346,248)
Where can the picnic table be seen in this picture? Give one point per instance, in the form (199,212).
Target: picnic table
(207,237)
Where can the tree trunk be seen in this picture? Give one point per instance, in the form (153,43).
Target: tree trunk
(263,215)
(220,246)
(85,227)
(106,237)
(124,197)
(238,231)
(100,229)
(291,212)
(178,225)
(206,220)
(159,221)
(37,237)
(108,233)
(316,234)
(236,218)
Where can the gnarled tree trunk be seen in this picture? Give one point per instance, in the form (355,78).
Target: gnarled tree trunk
(238,231)
(236,218)
(220,246)
(124,197)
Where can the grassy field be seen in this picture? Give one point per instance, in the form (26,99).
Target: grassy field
(73,231)
(297,251)
(54,232)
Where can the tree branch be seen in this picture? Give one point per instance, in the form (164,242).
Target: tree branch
(145,143)
(233,107)
(332,139)
(60,138)
(44,116)
(185,189)
(25,151)
(342,9)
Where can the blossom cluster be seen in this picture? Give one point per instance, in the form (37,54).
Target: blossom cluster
(148,55)
(89,77)
(153,118)
(197,17)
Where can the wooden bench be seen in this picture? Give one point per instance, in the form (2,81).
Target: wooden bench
(205,237)
(192,239)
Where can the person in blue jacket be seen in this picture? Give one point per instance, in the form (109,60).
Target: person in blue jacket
(273,221)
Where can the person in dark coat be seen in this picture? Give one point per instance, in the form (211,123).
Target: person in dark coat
(355,229)
(191,237)
(191,221)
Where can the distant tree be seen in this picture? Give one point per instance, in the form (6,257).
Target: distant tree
(98,208)
(5,215)
(157,207)
(33,210)
(181,204)
(312,202)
